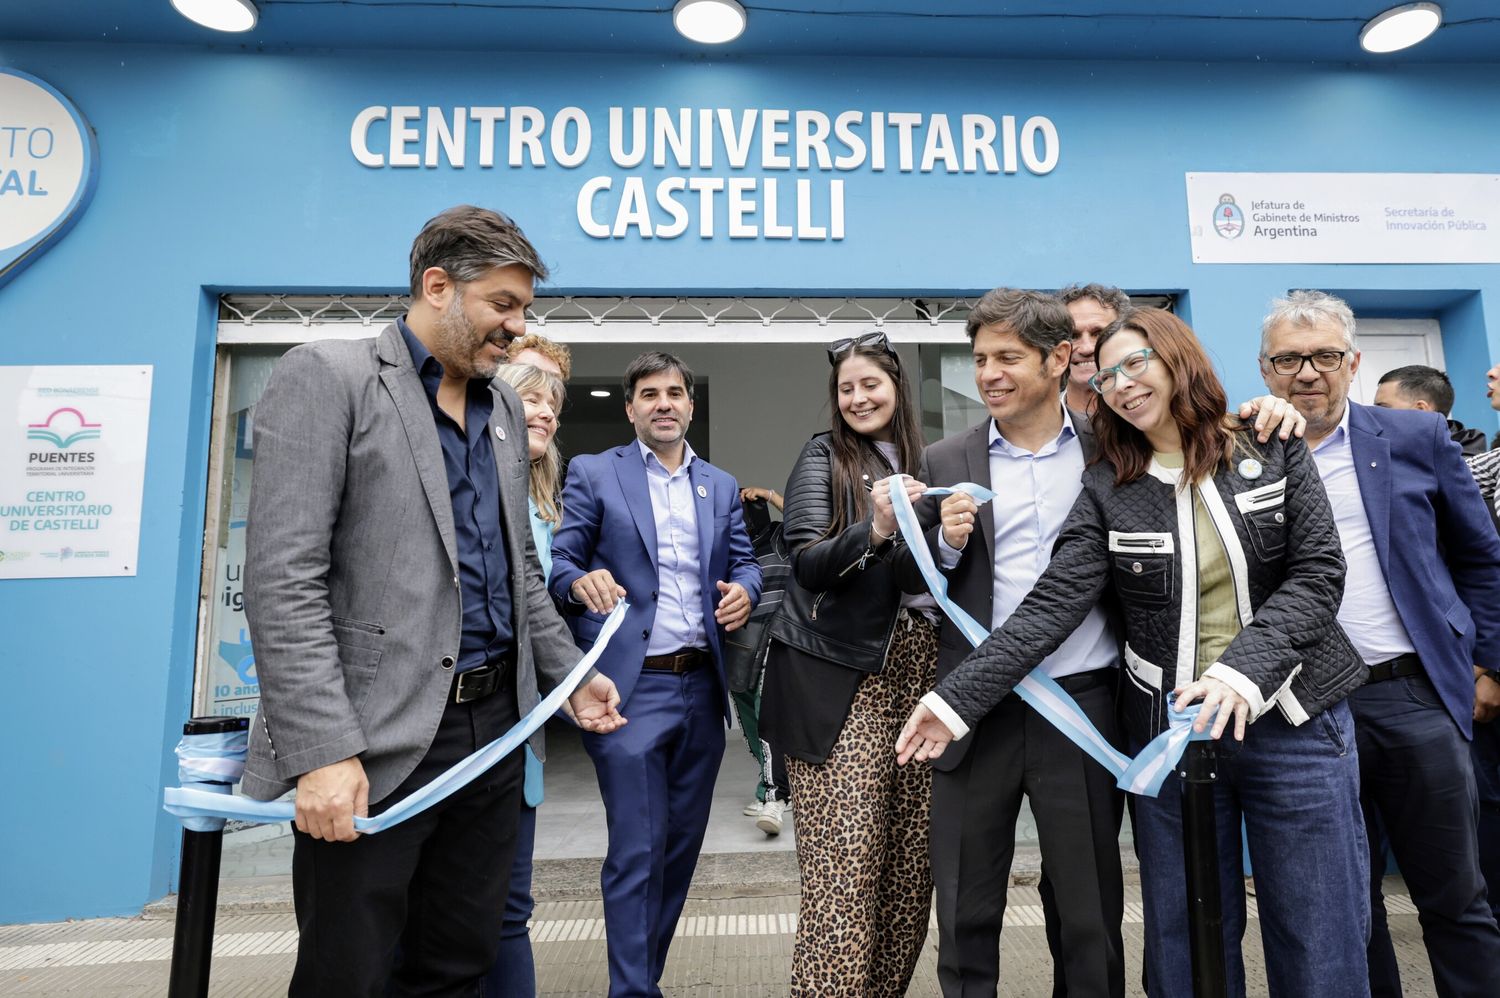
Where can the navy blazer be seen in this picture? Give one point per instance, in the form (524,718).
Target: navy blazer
(607,523)
(1443,568)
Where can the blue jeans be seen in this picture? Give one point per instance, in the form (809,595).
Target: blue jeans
(1297,790)
(1418,787)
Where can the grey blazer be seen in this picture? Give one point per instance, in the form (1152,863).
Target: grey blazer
(351,572)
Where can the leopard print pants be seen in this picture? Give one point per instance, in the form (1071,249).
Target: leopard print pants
(862,837)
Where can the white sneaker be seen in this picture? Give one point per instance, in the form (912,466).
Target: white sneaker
(770,817)
(752,809)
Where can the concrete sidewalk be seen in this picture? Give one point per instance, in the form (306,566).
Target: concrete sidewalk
(728,944)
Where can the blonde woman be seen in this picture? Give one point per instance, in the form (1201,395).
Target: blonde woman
(542,394)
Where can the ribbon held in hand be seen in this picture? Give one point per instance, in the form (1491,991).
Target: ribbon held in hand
(1143,774)
(195,805)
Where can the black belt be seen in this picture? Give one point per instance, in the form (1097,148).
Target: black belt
(476,684)
(1080,681)
(685,660)
(1402,665)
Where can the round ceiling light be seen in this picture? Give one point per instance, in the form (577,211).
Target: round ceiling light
(709,22)
(1400,27)
(220,15)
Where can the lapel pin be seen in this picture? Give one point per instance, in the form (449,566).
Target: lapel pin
(1250,468)
(500,432)
(702,492)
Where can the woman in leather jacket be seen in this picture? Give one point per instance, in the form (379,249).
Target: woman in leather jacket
(849,656)
(1226,562)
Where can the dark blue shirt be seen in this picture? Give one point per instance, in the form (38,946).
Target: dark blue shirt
(474,487)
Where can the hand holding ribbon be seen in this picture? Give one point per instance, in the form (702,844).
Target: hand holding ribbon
(596,710)
(923,737)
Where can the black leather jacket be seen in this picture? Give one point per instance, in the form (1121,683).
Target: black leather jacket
(842,605)
(1139,539)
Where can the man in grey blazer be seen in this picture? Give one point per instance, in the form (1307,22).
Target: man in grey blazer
(399,618)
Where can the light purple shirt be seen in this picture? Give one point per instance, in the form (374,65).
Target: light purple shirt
(679,604)
(1367,614)
(1034,494)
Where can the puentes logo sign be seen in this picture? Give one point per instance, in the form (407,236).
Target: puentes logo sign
(49,166)
(63,428)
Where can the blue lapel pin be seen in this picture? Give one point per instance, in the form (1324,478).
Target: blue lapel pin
(1250,468)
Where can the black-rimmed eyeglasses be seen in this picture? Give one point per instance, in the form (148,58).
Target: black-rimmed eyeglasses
(1290,365)
(838,348)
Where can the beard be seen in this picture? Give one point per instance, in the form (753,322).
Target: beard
(458,343)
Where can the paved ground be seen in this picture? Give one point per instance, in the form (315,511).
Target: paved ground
(729,946)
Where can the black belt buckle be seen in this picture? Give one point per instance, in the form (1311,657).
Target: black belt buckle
(475,684)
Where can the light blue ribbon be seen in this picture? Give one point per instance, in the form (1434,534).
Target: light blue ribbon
(190,803)
(1141,775)
(214,762)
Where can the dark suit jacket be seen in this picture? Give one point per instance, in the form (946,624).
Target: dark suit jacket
(608,523)
(965,457)
(1443,563)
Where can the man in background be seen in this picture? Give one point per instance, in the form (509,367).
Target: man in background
(1417,386)
(1092,307)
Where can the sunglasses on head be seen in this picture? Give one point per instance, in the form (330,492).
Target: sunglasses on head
(838,348)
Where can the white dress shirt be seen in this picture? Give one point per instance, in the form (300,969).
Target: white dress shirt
(679,605)
(1368,614)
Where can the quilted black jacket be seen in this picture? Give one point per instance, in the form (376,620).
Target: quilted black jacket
(1287,565)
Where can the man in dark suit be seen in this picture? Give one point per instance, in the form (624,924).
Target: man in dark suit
(1032,452)
(400,621)
(656,525)
(1422,606)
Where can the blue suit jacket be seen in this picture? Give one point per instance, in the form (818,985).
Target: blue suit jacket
(608,523)
(1437,546)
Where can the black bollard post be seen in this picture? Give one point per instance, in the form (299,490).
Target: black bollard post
(198,888)
(1200,845)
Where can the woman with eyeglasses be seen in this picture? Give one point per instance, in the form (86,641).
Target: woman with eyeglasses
(1225,560)
(850,655)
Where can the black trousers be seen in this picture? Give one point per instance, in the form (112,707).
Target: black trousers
(1077,811)
(1417,786)
(415,909)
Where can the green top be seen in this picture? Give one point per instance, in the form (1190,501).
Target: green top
(1218,619)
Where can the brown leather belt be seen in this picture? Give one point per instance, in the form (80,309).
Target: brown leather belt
(681,661)
(1401,665)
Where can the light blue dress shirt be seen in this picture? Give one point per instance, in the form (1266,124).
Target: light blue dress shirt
(1034,494)
(1367,614)
(679,604)
(541,536)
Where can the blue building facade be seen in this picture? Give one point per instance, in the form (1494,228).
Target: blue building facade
(234,170)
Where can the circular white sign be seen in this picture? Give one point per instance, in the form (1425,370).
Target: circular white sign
(46,163)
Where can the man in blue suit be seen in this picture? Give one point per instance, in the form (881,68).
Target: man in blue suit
(1422,606)
(654,524)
